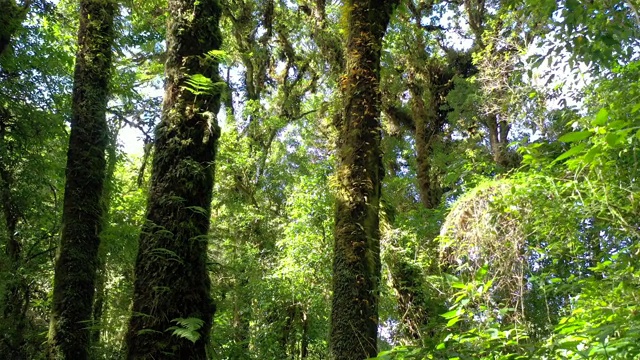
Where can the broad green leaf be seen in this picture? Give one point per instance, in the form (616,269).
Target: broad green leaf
(591,154)
(450,314)
(453,321)
(575,136)
(601,117)
(612,138)
(571,152)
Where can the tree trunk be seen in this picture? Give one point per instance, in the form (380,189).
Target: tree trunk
(14,291)
(356,262)
(429,87)
(101,272)
(11,19)
(428,130)
(413,303)
(498,138)
(77,259)
(172,279)
(304,342)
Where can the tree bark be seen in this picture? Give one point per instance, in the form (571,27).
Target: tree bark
(101,272)
(172,279)
(428,130)
(75,269)
(356,262)
(15,297)
(11,19)
(498,140)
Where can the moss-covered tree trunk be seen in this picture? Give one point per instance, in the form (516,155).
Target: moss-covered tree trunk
(429,123)
(14,300)
(11,18)
(356,263)
(101,268)
(76,263)
(172,280)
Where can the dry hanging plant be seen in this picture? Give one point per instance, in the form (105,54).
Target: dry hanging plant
(483,231)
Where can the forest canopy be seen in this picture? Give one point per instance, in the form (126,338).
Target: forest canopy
(319,179)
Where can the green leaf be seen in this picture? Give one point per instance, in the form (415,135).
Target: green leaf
(591,154)
(187,328)
(199,84)
(575,136)
(185,333)
(571,152)
(450,314)
(612,138)
(482,272)
(618,124)
(219,55)
(453,321)
(601,117)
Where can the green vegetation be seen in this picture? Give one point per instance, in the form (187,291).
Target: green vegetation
(414,179)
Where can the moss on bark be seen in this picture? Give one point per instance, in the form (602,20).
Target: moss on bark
(356,264)
(14,299)
(427,99)
(75,267)
(11,19)
(172,280)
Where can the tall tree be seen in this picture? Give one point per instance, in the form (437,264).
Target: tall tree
(13,302)
(356,264)
(75,268)
(11,18)
(172,285)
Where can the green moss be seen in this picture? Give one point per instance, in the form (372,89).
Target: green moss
(172,280)
(356,265)
(77,259)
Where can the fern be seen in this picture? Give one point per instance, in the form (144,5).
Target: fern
(187,328)
(220,56)
(199,84)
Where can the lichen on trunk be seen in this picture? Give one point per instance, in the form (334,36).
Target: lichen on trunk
(356,264)
(76,262)
(171,276)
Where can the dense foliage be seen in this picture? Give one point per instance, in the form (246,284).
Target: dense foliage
(500,185)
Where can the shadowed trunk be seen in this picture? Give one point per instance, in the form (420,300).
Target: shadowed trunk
(15,297)
(356,262)
(427,131)
(77,260)
(304,343)
(172,280)
(101,273)
(413,303)
(498,140)
(429,86)
(11,19)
